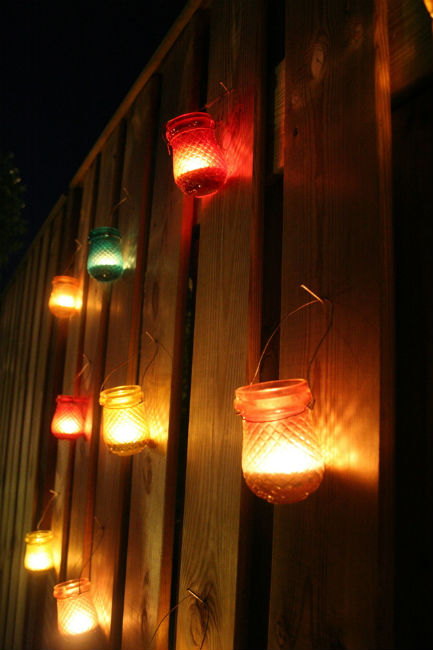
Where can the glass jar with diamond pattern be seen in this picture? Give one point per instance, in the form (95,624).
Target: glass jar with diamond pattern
(124,427)
(104,262)
(76,613)
(199,167)
(282,460)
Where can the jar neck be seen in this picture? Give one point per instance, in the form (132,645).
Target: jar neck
(121,396)
(188,122)
(272,400)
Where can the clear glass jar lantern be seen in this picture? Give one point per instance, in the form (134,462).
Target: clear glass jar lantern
(124,427)
(199,167)
(281,455)
(105,262)
(69,418)
(39,555)
(65,298)
(76,612)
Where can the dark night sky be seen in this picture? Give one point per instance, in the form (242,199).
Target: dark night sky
(65,67)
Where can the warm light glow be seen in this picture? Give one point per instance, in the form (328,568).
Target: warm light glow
(65,299)
(281,456)
(76,613)
(199,168)
(39,551)
(69,418)
(105,262)
(124,426)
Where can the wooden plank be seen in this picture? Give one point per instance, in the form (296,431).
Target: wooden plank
(411,56)
(12,482)
(223,324)
(325,572)
(152,500)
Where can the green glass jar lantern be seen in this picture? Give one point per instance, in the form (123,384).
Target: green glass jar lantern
(105,262)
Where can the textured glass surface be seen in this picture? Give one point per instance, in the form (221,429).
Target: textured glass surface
(76,613)
(105,262)
(281,453)
(199,167)
(65,298)
(124,426)
(281,459)
(69,418)
(39,550)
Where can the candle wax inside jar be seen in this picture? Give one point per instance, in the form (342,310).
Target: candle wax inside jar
(201,182)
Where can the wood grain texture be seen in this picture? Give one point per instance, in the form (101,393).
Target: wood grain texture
(325,558)
(411,56)
(148,571)
(212,516)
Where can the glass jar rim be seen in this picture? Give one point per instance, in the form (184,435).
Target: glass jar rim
(70,399)
(104,231)
(188,122)
(270,400)
(121,396)
(64,279)
(39,536)
(71,588)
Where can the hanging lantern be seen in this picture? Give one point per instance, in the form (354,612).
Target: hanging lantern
(65,299)
(76,613)
(281,455)
(105,262)
(39,551)
(69,417)
(124,427)
(199,167)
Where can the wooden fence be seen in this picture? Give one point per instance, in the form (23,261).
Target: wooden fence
(319,94)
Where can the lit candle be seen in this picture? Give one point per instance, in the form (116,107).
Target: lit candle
(124,426)
(76,613)
(39,551)
(281,455)
(105,262)
(65,298)
(69,418)
(199,168)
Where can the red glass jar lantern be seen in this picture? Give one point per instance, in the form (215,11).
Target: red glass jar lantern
(76,612)
(39,555)
(69,417)
(65,298)
(199,167)
(281,455)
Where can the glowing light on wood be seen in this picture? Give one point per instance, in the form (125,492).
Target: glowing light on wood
(39,551)
(69,417)
(105,262)
(124,427)
(281,456)
(65,299)
(199,168)
(76,613)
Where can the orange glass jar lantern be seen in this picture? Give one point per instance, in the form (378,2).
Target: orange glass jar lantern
(199,167)
(69,417)
(65,298)
(39,556)
(281,455)
(124,427)
(76,612)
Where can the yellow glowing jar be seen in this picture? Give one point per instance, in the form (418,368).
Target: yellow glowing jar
(39,551)
(281,455)
(76,613)
(65,298)
(124,426)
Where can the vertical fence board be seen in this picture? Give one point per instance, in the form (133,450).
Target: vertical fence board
(149,517)
(325,570)
(212,515)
